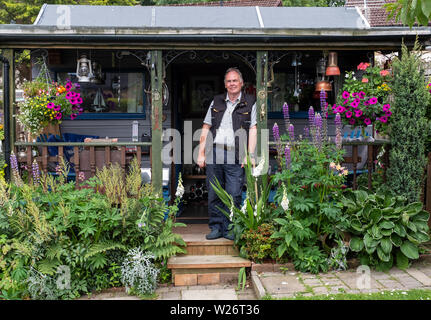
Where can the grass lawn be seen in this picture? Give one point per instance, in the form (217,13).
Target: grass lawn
(414,294)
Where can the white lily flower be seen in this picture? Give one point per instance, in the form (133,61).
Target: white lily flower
(244,206)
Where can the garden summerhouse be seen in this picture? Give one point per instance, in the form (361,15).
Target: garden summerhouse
(157,68)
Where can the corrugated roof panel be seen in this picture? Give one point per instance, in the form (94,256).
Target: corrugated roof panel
(202,17)
(311,17)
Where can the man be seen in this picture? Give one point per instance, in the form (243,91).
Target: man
(230,117)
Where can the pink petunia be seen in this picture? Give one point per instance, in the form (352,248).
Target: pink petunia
(352,121)
(58,116)
(354,94)
(73,101)
(73,116)
(340,109)
(68,86)
(388,113)
(386,107)
(383,119)
(361,95)
(358,113)
(50,105)
(57,108)
(367,121)
(345,95)
(349,114)
(69,95)
(79,100)
(373,100)
(345,101)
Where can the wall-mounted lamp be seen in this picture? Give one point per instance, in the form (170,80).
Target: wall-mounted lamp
(332,69)
(84,70)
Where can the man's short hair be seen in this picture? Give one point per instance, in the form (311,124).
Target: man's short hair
(234,69)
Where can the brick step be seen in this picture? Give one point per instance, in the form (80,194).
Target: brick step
(205,269)
(197,244)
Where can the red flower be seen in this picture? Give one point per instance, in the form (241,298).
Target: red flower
(384,73)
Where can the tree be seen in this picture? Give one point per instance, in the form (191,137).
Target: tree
(409,127)
(26,11)
(410,11)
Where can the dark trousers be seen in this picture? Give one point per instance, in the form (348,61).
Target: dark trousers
(231,178)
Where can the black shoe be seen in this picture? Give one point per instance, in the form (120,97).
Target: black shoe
(228,235)
(214,234)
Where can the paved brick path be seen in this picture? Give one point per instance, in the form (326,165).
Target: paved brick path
(279,285)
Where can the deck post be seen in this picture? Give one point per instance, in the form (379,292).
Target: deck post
(261,106)
(156,120)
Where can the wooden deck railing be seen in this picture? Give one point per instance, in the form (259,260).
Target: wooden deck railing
(87,156)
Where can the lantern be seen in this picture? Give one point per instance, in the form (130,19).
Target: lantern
(332,69)
(84,70)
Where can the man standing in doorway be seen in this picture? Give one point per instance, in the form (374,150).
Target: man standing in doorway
(230,117)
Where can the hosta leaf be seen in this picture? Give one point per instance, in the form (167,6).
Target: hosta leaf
(386,245)
(413,208)
(412,226)
(400,230)
(386,232)
(383,255)
(376,215)
(402,260)
(422,216)
(410,250)
(375,232)
(356,244)
(396,240)
(370,242)
(426,8)
(386,225)
(356,224)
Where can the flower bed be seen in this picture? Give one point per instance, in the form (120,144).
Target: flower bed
(59,242)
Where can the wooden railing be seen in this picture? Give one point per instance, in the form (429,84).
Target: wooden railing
(87,156)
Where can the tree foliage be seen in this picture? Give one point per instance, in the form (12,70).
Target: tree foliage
(409,128)
(26,11)
(410,11)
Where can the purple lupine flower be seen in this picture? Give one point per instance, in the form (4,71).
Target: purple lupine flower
(276,132)
(35,172)
(338,138)
(306,132)
(311,116)
(13,162)
(291,132)
(286,115)
(317,136)
(287,156)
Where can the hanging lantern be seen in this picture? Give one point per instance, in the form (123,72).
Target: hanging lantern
(323,85)
(84,70)
(98,75)
(332,69)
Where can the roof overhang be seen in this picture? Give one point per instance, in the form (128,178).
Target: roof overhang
(32,36)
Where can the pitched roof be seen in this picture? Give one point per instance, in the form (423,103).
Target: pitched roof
(235,3)
(374,12)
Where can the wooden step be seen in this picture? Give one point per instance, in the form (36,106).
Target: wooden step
(205,269)
(197,244)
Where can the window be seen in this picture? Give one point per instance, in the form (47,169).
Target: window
(118,93)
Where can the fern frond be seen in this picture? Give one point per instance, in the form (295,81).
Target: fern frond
(48,266)
(102,247)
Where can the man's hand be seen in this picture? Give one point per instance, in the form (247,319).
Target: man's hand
(201,161)
(244,162)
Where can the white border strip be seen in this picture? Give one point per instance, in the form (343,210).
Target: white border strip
(42,10)
(367,24)
(259,16)
(153,16)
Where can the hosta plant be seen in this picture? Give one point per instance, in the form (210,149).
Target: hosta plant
(385,229)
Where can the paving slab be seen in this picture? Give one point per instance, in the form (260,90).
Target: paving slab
(419,276)
(281,284)
(216,294)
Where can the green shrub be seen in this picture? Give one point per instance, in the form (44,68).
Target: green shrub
(259,244)
(409,127)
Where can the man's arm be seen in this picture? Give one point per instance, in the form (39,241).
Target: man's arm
(202,142)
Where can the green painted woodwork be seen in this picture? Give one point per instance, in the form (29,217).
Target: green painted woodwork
(262,105)
(156,120)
